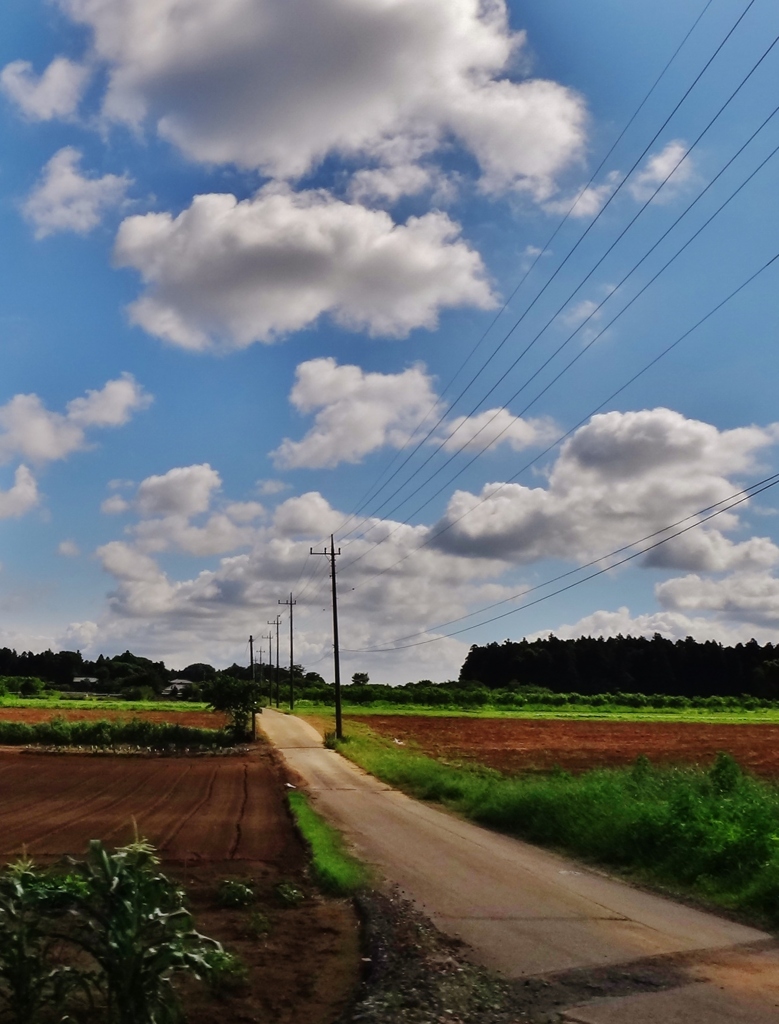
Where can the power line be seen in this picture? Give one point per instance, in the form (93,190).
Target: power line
(578,243)
(375,489)
(565,303)
(580,423)
(774,480)
(747,492)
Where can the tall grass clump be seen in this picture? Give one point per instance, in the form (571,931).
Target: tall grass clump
(59,732)
(712,832)
(335,869)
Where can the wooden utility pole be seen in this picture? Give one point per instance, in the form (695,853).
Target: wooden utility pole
(269,638)
(336,651)
(275,622)
(254,708)
(291,604)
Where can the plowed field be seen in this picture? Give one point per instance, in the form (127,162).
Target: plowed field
(197,719)
(192,809)
(210,818)
(514,744)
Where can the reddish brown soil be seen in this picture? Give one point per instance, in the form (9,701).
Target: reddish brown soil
(515,744)
(210,818)
(197,719)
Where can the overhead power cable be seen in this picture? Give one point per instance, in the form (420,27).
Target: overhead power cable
(375,488)
(571,252)
(770,482)
(565,303)
(434,536)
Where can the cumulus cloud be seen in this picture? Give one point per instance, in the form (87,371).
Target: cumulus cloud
(587,202)
(751,597)
(231,273)
(54,94)
(21,497)
(618,478)
(183,491)
(66,200)
(291,83)
(497,426)
(356,412)
(68,549)
(669,168)
(217,608)
(168,503)
(29,430)
(671,624)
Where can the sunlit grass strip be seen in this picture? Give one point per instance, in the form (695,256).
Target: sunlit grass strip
(712,833)
(335,869)
(59,732)
(95,704)
(584,712)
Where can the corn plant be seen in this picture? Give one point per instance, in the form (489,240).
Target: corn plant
(134,926)
(30,906)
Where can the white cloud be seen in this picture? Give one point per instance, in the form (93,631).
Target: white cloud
(215,610)
(670,624)
(618,478)
(68,549)
(356,412)
(232,273)
(29,430)
(183,491)
(289,84)
(751,597)
(271,487)
(114,505)
(497,426)
(65,200)
(54,94)
(21,497)
(587,202)
(389,183)
(670,163)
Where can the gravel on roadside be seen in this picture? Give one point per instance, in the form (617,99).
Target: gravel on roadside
(416,975)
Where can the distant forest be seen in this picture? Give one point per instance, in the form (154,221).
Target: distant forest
(627,664)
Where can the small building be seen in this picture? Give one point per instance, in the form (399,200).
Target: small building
(177,688)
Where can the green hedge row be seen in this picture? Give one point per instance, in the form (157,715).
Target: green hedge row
(59,732)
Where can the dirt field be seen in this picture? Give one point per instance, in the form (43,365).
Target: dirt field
(211,818)
(197,719)
(515,744)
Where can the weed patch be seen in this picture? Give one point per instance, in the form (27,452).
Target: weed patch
(335,869)
(714,833)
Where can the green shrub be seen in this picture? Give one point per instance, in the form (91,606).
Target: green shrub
(713,831)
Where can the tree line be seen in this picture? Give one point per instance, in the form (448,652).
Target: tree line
(628,665)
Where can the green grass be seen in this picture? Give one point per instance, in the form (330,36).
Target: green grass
(335,869)
(95,704)
(109,734)
(583,712)
(713,834)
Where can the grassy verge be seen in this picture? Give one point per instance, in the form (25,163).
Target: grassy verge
(572,711)
(98,704)
(335,869)
(711,833)
(59,732)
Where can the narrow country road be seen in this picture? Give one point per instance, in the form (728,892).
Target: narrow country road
(527,912)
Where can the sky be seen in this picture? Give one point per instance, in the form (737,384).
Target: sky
(482,289)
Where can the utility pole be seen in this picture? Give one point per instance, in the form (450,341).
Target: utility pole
(291,604)
(336,651)
(269,638)
(254,708)
(275,622)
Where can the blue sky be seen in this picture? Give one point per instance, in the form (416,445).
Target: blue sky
(251,253)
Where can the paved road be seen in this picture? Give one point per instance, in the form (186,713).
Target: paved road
(524,911)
